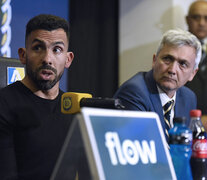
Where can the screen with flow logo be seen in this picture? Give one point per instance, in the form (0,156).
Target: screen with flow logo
(125,145)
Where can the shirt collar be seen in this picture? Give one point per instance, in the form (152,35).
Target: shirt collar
(164,98)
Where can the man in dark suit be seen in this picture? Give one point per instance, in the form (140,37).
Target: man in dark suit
(175,63)
(197,25)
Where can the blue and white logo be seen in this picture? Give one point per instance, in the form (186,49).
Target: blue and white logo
(130,152)
(14,74)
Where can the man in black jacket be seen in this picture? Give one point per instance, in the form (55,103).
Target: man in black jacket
(197,25)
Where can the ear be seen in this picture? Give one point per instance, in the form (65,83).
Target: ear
(70,57)
(154,60)
(193,74)
(22,55)
(187,19)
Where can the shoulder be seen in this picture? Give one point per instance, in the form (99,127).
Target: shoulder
(132,88)
(185,101)
(10,88)
(14,92)
(185,92)
(141,83)
(187,96)
(135,82)
(134,93)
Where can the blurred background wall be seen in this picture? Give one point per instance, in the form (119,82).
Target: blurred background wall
(141,25)
(112,39)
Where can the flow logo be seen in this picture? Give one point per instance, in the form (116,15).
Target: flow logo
(14,74)
(129,151)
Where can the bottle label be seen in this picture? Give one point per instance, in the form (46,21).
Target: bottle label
(199,148)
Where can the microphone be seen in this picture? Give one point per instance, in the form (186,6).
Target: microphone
(71,102)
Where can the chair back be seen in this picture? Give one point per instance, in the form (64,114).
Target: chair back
(11,70)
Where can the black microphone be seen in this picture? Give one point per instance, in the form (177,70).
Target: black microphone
(71,102)
(99,102)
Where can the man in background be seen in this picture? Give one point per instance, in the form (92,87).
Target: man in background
(197,25)
(162,89)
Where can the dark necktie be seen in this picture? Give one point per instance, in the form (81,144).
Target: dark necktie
(167,111)
(202,64)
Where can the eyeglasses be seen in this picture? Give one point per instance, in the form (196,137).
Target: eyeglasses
(198,17)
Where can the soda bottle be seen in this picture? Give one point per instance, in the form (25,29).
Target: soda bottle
(180,141)
(199,147)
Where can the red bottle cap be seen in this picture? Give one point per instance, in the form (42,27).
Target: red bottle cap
(195,113)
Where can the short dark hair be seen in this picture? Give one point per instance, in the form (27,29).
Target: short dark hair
(47,22)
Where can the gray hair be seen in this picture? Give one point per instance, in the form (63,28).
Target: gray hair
(179,37)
